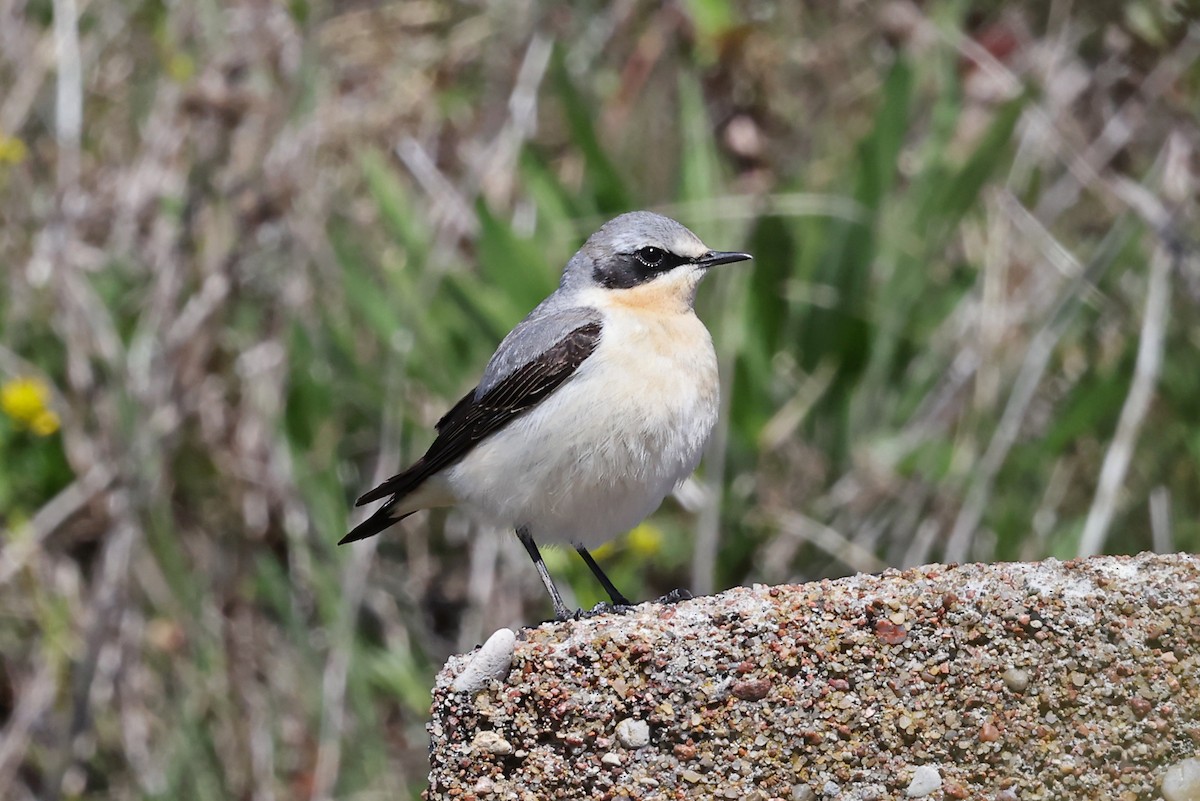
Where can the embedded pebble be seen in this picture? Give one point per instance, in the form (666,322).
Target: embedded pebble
(925,780)
(492,743)
(802,792)
(1016,680)
(751,689)
(633,733)
(973,701)
(1181,782)
(491,661)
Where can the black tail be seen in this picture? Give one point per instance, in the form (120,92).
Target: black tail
(400,484)
(383,518)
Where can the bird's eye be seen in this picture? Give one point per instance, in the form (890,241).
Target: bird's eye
(651,257)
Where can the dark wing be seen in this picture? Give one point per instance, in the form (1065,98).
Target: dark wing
(472,419)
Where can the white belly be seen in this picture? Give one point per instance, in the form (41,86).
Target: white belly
(601,453)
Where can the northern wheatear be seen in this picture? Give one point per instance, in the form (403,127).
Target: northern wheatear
(592,410)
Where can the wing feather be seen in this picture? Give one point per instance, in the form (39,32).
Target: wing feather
(474,418)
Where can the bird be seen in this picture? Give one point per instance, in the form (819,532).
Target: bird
(592,409)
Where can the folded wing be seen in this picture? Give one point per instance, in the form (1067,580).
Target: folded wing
(478,415)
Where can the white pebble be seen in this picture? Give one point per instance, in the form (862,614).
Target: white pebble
(633,733)
(925,780)
(491,661)
(1016,680)
(611,758)
(492,743)
(1181,782)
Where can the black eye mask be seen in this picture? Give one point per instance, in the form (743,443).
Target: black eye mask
(627,270)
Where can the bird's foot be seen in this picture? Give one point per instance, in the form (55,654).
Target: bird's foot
(563,614)
(674,597)
(605,608)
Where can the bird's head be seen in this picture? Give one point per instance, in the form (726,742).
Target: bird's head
(644,258)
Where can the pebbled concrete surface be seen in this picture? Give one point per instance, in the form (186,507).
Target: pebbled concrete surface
(1054,680)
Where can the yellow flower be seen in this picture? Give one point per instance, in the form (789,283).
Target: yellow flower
(180,67)
(645,540)
(604,551)
(12,150)
(27,401)
(44,424)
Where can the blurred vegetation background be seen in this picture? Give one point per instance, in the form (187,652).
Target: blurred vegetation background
(253,250)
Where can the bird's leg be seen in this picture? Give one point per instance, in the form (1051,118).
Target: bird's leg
(560,609)
(617,598)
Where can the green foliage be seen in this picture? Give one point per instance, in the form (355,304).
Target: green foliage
(35,468)
(607,188)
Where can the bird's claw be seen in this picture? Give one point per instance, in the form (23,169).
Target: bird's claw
(607,608)
(602,608)
(675,596)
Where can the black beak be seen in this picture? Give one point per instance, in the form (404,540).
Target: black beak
(714,257)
